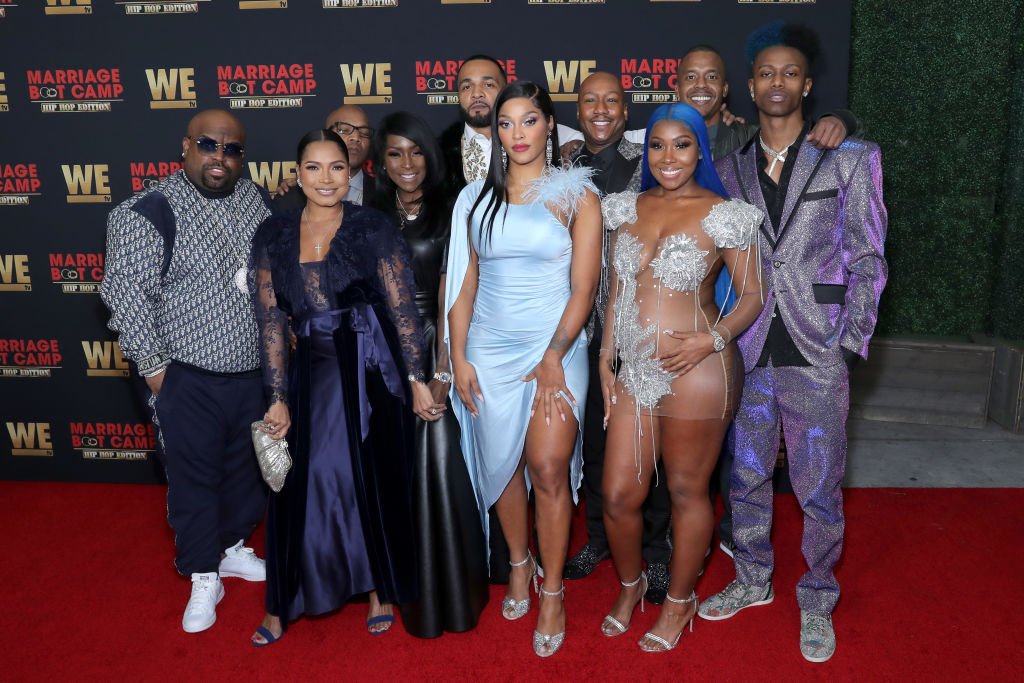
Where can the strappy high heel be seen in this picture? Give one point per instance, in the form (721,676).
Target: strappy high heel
(611,626)
(511,608)
(665,645)
(543,644)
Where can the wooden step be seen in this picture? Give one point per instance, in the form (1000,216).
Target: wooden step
(924,380)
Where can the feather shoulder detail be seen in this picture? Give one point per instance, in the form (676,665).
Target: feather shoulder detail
(561,188)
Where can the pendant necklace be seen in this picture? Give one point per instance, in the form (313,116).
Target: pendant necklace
(777,157)
(320,239)
(403,213)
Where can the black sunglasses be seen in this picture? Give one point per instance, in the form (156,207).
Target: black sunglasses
(209,147)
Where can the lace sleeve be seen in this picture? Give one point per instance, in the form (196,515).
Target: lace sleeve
(394,269)
(271,320)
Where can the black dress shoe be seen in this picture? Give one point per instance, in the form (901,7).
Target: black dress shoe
(584,562)
(657,582)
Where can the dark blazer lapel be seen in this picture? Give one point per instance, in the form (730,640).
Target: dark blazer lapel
(808,160)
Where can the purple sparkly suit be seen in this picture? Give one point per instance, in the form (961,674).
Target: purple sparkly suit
(825,271)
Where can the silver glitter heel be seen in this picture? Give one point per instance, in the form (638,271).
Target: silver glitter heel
(611,626)
(543,644)
(665,645)
(511,608)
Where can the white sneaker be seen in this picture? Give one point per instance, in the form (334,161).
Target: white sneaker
(242,562)
(201,611)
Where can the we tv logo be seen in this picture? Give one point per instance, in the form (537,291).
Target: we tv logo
(87,183)
(269,174)
(104,359)
(68,7)
(30,438)
(367,83)
(564,77)
(172,88)
(14,275)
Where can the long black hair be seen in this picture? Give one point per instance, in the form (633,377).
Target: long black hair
(495,186)
(320,135)
(409,126)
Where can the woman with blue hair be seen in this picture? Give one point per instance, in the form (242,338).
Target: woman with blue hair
(670,372)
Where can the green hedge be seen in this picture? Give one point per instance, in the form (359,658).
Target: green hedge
(937,84)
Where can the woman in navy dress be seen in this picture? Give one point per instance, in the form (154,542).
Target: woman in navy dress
(341,276)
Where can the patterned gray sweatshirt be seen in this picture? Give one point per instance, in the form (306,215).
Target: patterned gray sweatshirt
(172,257)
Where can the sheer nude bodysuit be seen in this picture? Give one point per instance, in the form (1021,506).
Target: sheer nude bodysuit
(669,285)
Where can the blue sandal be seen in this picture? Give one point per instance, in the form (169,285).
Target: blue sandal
(267,636)
(388,619)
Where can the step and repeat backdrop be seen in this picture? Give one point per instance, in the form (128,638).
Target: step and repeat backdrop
(95,97)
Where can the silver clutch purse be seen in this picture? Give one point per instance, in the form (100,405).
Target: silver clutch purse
(272,455)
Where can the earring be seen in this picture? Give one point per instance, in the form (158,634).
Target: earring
(548,150)
(751,94)
(805,93)
(504,158)
(183,155)
(298,181)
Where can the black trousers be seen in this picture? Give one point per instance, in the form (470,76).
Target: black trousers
(215,494)
(657,508)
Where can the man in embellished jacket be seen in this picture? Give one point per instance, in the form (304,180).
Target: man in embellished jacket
(176,286)
(822,252)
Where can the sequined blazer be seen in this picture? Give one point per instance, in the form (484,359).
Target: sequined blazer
(824,265)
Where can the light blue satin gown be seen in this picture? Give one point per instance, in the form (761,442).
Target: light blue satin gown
(522,291)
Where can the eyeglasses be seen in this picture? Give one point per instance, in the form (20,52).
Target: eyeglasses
(208,147)
(346,128)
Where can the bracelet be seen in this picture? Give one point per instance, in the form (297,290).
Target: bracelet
(719,341)
(415,377)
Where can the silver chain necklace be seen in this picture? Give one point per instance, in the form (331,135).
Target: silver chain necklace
(777,157)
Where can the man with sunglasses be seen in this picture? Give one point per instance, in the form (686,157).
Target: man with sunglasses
(176,284)
(350,122)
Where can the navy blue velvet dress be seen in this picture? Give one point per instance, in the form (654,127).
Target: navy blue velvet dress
(342,524)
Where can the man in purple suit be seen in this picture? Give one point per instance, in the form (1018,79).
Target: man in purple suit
(821,248)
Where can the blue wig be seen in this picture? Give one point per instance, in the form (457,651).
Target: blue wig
(705,175)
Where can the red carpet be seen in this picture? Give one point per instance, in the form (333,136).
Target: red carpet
(932,590)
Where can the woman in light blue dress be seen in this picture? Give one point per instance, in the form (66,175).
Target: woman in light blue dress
(523,266)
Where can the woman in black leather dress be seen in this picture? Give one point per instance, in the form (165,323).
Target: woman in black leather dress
(452,554)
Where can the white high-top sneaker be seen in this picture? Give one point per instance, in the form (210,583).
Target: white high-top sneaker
(201,611)
(242,562)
